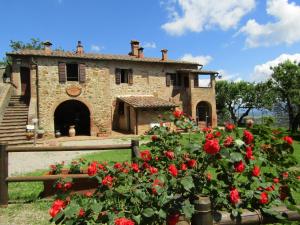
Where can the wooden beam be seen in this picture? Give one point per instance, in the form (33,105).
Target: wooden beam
(44,177)
(3,175)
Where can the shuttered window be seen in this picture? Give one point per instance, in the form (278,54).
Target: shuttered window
(81,73)
(130,77)
(62,72)
(124,76)
(118,76)
(168,79)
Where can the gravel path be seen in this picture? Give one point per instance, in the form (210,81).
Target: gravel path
(29,161)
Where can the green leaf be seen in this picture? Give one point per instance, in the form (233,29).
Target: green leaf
(162,214)
(137,218)
(188,209)
(187,183)
(148,212)
(236,157)
(71,210)
(96,207)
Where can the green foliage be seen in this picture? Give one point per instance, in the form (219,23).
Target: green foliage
(34,43)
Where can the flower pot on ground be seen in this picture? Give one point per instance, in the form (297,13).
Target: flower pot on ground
(29,135)
(40,132)
(72,131)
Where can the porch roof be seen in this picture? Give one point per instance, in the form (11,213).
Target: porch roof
(146,102)
(198,71)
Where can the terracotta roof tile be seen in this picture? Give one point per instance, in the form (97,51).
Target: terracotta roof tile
(146,102)
(67,54)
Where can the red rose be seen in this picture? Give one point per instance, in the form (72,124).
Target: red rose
(118,166)
(173,170)
(229,127)
(177,113)
(108,181)
(256,171)
(68,185)
(228,141)
(288,140)
(170,155)
(263,198)
(285,175)
(276,180)
(81,213)
(192,163)
(207,129)
(248,137)
(57,206)
(135,167)
(183,167)
(146,155)
(156,183)
(217,134)
(209,136)
(92,169)
(145,165)
(123,221)
(208,176)
(153,170)
(212,146)
(249,153)
(234,196)
(173,219)
(239,166)
(88,194)
(59,186)
(154,138)
(271,188)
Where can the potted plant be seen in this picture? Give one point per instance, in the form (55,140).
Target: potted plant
(40,132)
(29,135)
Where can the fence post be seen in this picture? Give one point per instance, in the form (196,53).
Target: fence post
(135,152)
(203,212)
(3,175)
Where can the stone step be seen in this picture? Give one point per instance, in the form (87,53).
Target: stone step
(16,111)
(15,138)
(15,134)
(18,114)
(20,142)
(9,120)
(16,118)
(8,131)
(13,123)
(9,127)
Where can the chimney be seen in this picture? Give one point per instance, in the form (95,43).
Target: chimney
(134,47)
(47,47)
(79,48)
(164,54)
(141,52)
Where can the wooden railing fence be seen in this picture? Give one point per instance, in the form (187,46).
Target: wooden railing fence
(204,214)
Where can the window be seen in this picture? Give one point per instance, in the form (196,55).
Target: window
(72,72)
(121,108)
(124,76)
(204,80)
(173,79)
(186,81)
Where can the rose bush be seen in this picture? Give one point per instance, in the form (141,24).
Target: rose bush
(238,170)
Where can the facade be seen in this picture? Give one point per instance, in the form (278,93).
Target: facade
(98,93)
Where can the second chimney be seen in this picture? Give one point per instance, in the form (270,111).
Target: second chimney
(47,47)
(141,52)
(79,48)
(164,54)
(135,45)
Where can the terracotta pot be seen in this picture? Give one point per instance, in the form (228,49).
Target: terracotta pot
(72,131)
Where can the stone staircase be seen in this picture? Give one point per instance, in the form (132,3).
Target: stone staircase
(13,124)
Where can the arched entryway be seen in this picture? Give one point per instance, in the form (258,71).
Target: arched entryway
(72,112)
(203,111)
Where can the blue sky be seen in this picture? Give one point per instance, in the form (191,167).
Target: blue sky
(239,38)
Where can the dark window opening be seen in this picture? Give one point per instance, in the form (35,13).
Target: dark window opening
(121,108)
(175,79)
(186,82)
(72,72)
(124,75)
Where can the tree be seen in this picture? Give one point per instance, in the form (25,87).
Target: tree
(34,43)
(285,82)
(232,97)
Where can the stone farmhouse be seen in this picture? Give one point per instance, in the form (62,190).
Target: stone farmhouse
(98,93)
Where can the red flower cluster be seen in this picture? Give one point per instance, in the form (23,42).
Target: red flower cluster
(239,167)
(229,127)
(249,153)
(156,183)
(212,146)
(81,213)
(263,198)
(209,136)
(173,170)
(256,171)
(92,169)
(248,137)
(170,155)
(183,167)
(217,134)
(135,167)
(228,141)
(288,140)
(234,196)
(177,113)
(207,129)
(276,180)
(57,206)
(154,138)
(146,155)
(192,163)
(108,181)
(123,221)
(153,170)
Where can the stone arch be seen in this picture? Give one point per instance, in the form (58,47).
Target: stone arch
(73,112)
(204,113)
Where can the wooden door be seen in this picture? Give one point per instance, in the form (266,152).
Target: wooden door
(25,82)
(128,119)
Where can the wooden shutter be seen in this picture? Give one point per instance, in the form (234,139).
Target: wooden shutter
(196,81)
(81,73)
(62,72)
(168,80)
(130,77)
(118,76)
(179,78)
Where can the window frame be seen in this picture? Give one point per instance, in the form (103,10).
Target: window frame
(72,78)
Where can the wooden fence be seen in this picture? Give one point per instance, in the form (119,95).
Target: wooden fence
(204,214)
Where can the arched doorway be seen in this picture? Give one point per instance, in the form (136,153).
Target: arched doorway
(203,111)
(72,112)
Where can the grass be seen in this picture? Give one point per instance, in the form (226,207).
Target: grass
(28,208)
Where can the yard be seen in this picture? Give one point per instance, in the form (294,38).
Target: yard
(27,208)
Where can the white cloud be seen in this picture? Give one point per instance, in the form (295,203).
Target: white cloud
(263,71)
(225,75)
(199,15)
(96,48)
(149,45)
(285,29)
(203,60)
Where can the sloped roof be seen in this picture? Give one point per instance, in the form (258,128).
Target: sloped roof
(68,54)
(146,102)
(198,71)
